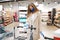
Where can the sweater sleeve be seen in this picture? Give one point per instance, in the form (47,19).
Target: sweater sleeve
(33,17)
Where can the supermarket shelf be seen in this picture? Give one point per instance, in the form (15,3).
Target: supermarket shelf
(57,25)
(23,12)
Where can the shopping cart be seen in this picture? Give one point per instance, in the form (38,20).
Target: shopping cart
(19,37)
(31,32)
(47,38)
(22,37)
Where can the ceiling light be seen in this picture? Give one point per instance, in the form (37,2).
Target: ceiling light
(55,2)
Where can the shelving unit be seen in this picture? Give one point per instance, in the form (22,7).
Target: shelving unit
(57,22)
(44,16)
(22,20)
(22,14)
(7,18)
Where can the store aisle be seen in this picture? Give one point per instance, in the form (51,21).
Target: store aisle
(48,31)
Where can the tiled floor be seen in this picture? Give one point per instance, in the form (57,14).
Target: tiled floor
(48,31)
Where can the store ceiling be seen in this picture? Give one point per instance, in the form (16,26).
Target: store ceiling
(51,0)
(48,1)
(6,1)
(40,1)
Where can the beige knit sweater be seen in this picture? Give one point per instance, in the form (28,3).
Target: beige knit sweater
(34,20)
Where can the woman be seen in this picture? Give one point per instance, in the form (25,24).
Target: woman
(33,18)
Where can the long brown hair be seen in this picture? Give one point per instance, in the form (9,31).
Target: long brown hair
(35,9)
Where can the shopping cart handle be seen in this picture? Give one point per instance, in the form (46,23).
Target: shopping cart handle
(32,28)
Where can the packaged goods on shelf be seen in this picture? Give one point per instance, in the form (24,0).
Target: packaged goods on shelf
(15,16)
(22,15)
(7,18)
(57,19)
(22,20)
